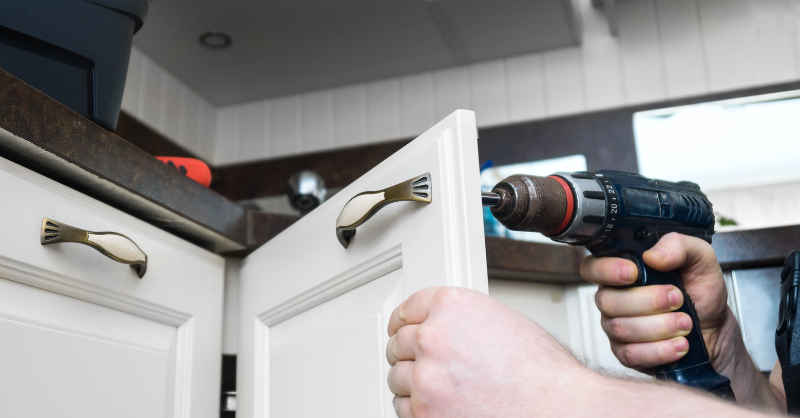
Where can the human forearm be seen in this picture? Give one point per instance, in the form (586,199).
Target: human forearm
(751,388)
(616,398)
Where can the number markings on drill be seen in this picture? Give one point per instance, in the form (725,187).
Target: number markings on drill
(612,211)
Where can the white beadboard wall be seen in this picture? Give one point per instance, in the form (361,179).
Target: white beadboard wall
(666,49)
(162,102)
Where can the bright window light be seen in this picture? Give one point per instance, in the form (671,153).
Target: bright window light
(744,154)
(723,145)
(493,175)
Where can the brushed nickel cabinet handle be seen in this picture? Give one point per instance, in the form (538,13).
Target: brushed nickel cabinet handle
(115,246)
(363,205)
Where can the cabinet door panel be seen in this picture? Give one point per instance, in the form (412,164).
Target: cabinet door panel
(73,361)
(91,339)
(313,314)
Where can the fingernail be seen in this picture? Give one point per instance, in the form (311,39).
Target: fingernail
(684,323)
(680,346)
(626,273)
(659,252)
(675,297)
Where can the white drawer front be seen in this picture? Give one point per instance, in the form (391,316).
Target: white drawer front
(84,336)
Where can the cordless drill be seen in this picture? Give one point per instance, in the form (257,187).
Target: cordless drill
(787,334)
(617,214)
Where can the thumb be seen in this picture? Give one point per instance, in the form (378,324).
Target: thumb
(693,256)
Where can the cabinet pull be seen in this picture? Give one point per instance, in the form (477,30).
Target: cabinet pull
(115,246)
(363,205)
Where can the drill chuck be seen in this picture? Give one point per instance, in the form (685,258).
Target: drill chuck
(566,207)
(530,203)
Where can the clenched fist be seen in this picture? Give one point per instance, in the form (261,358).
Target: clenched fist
(459,353)
(644,330)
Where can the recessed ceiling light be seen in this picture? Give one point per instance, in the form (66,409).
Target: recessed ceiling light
(215,40)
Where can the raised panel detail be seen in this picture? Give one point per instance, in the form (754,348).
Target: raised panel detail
(329,375)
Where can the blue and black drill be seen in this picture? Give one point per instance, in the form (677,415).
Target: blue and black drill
(617,214)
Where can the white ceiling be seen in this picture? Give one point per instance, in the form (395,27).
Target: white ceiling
(283,47)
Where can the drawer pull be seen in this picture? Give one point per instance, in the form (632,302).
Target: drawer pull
(115,246)
(363,205)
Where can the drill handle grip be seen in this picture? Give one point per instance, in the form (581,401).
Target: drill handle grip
(694,369)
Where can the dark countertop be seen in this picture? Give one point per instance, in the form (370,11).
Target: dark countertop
(47,137)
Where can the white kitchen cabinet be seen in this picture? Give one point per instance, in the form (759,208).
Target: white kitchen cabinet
(82,335)
(313,314)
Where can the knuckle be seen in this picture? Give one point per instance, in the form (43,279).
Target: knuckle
(667,325)
(624,354)
(390,378)
(633,357)
(419,409)
(390,347)
(426,380)
(447,296)
(659,298)
(584,269)
(601,300)
(401,334)
(427,338)
(610,271)
(615,327)
(664,354)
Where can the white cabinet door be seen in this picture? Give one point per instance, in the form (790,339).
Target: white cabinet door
(313,314)
(82,335)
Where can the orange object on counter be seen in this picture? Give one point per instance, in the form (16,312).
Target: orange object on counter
(191,167)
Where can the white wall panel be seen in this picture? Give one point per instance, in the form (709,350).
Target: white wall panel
(489,92)
(563,71)
(226,144)
(170,116)
(150,106)
(796,12)
(451,91)
(641,52)
(166,105)
(729,34)
(416,104)
(317,121)
(602,61)
(383,110)
(253,131)
(526,88)
(682,46)
(208,132)
(350,116)
(775,28)
(284,132)
(189,128)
